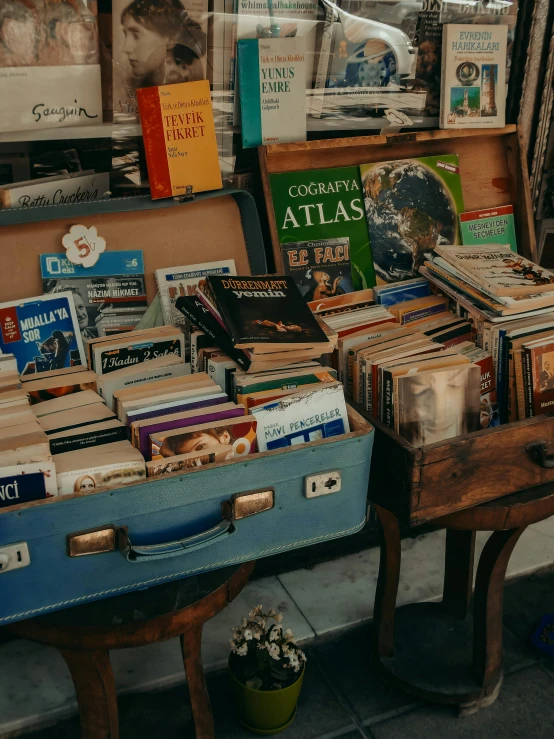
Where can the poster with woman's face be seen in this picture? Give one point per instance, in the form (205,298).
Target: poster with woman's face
(155,42)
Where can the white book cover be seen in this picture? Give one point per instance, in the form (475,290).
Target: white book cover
(80,187)
(302,417)
(112,382)
(109,475)
(155,44)
(473,78)
(178,282)
(47,469)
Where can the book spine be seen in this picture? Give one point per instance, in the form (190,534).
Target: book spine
(368,388)
(350,376)
(220,336)
(442,122)
(520,388)
(92,439)
(206,303)
(395,398)
(527,382)
(248,63)
(387,415)
(500,374)
(154,145)
(360,378)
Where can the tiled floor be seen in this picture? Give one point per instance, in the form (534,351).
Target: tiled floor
(319,602)
(343,697)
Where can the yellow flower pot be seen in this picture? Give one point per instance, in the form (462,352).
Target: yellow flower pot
(266,711)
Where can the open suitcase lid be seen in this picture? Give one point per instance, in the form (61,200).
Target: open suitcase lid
(214,226)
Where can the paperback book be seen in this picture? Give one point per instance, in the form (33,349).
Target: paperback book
(178,282)
(411,205)
(24,483)
(128,353)
(489,226)
(319,268)
(75,187)
(272,75)
(265,311)
(473,76)
(238,433)
(188,461)
(324,204)
(113,285)
(42,333)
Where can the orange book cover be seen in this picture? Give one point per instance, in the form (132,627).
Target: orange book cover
(179,138)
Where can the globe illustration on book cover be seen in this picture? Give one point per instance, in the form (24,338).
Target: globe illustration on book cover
(410,209)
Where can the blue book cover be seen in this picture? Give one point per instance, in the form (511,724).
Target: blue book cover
(42,333)
(17,489)
(398,293)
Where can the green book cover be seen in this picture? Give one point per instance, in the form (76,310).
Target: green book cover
(282,382)
(489,226)
(324,204)
(412,205)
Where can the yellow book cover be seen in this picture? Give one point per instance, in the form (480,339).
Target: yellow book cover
(179,138)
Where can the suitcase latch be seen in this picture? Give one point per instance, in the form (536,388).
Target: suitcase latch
(242,505)
(92,541)
(322,484)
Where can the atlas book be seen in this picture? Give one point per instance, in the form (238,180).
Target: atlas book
(266,311)
(42,333)
(49,66)
(178,282)
(473,76)
(411,206)
(238,433)
(305,416)
(498,270)
(272,88)
(101,293)
(179,139)
(489,226)
(319,268)
(324,204)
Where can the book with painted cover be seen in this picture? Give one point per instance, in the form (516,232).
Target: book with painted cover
(325,204)
(42,333)
(49,65)
(473,76)
(309,415)
(266,311)
(103,293)
(489,226)
(319,268)
(272,87)
(178,282)
(179,138)
(498,270)
(411,206)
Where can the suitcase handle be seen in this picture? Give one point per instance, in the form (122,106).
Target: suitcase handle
(539,452)
(149,552)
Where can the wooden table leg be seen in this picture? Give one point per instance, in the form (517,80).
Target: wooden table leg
(387,583)
(487,606)
(458,572)
(191,645)
(94,682)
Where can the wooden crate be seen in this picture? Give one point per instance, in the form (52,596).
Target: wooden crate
(422,483)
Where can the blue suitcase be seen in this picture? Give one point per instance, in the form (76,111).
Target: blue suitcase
(79,548)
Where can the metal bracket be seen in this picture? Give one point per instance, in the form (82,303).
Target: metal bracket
(322,484)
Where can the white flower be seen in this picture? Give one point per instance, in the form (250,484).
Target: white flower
(242,651)
(232,645)
(257,633)
(278,617)
(294,662)
(244,623)
(301,655)
(275,633)
(286,650)
(247,633)
(237,633)
(273,650)
(289,636)
(256,611)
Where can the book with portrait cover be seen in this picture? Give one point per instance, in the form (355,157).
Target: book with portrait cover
(187,461)
(324,204)
(238,433)
(473,76)
(411,206)
(539,359)
(319,268)
(179,139)
(265,311)
(42,333)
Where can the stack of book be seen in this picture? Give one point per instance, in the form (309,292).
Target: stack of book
(57,383)
(26,468)
(260,323)
(510,304)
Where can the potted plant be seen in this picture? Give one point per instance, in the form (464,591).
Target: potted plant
(267,670)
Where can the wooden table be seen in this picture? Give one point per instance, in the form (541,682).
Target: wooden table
(434,650)
(85,634)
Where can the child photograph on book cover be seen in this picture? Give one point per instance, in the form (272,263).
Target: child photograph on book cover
(155,42)
(210,440)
